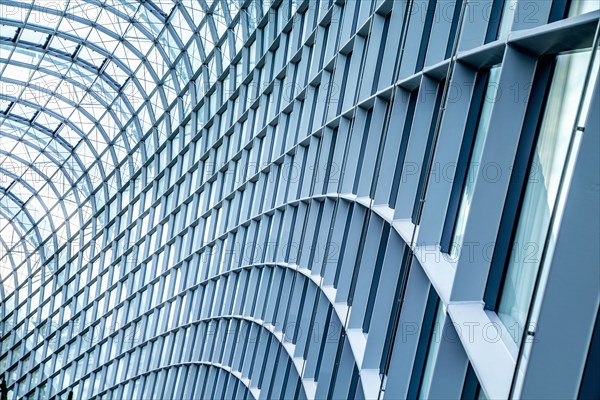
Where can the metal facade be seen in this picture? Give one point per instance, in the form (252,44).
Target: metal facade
(375,199)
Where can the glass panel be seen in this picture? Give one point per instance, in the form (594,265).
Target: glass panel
(542,189)
(508,16)
(434,347)
(583,6)
(469,185)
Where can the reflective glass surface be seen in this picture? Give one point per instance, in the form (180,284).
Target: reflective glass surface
(475,161)
(541,192)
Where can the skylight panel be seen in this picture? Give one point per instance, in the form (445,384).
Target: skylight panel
(194,55)
(104,91)
(181,26)
(47,121)
(157,61)
(92,107)
(5,51)
(45,80)
(33,37)
(18,149)
(80,120)
(26,56)
(36,95)
(145,79)
(59,107)
(39,16)
(84,9)
(110,127)
(7,32)
(23,111)
(49,197)
(74,28)
(114,22)
(194,10)
(234,8)
(91,56)
(150,21)
(70,91)
(10,127)
(121,111)
(33,134)
(55,64)
(126,7)
(16,13)
(225,53)
(81,75)
(127,57)
(165,5)
(116,72)
(71,205)
(138,40)
(207,38)
(220,21)
(32,179)
(63,45)
(4,105)
(239,37)
(103,40)
(133,94)
(97,139)
(69,135)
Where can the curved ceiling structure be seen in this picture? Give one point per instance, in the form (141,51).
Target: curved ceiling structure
(276,199)
(83,84)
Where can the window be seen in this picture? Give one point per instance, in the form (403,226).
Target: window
(579,7)
(428,21)
(429,152)
(474,160)
(507,18)
(471,388)
(547,165)
(410,113)
(432,353)
(419,379)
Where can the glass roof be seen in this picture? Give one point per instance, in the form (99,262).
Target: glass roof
(82,82)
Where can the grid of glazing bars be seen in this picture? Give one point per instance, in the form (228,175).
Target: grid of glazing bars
(274,245)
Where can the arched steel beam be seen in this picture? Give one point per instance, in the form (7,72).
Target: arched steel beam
(71,180)
(83,66)
(9,255)
(32,220)
(91,23)
(101,103)
(76,84)
(57,116)
(9,215)
(73,126)
(45,218)
(13,263)
(122,126)
(151,36)
(50,135)
(96,94)
(254,392)
(43,203)
(36,246)
(22,205)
